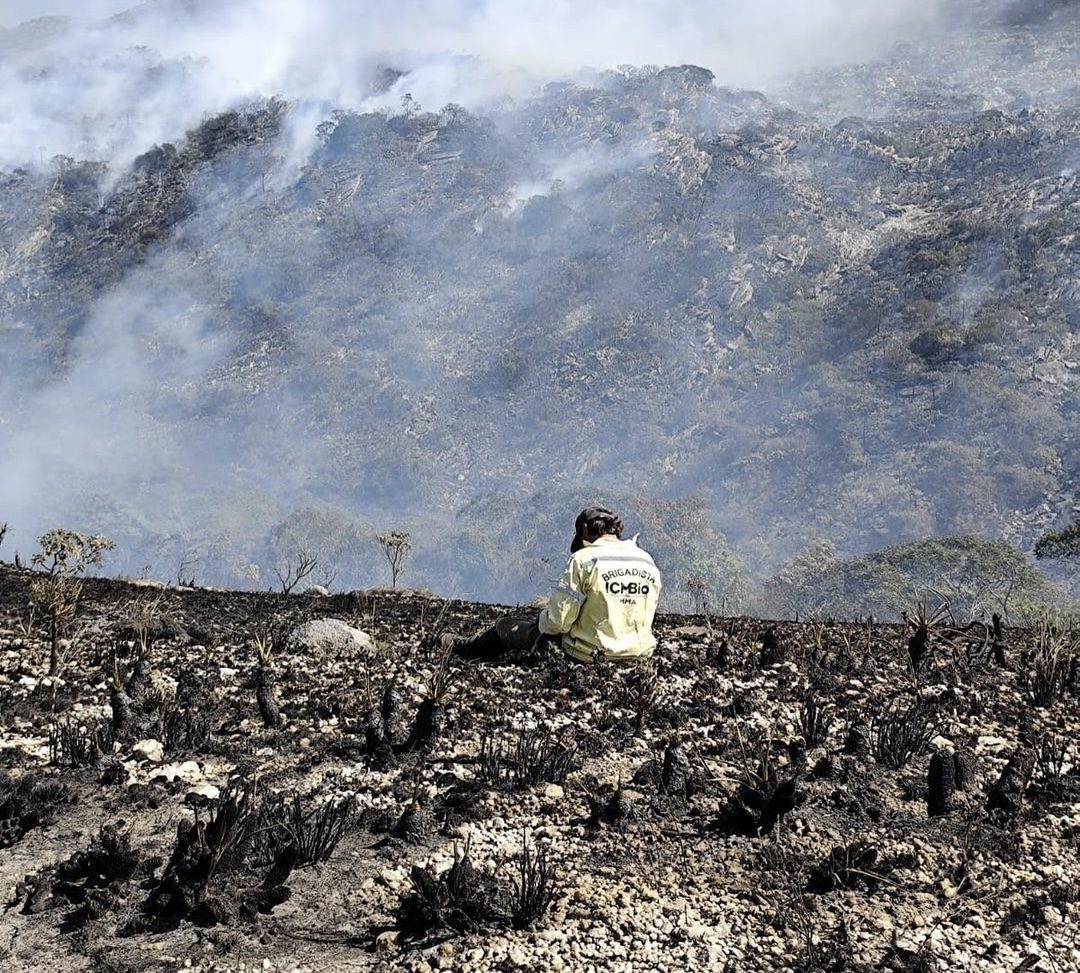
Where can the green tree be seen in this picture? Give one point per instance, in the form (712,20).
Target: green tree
(975,575)
(64,556)
(1060,545)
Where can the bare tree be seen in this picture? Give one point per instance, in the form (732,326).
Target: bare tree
(185,573)
(291,574)
(396,547)
(327,576)
(3,531)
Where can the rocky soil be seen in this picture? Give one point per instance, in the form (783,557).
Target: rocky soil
(759,799)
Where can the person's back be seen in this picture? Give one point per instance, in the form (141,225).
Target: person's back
(606,599)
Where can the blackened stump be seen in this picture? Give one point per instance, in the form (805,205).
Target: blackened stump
(121,713)
(264,696)
(675,775)
(940,784)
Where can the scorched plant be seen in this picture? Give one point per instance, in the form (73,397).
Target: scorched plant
(898,734)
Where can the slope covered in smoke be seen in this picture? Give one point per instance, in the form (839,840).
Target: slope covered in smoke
(845,307)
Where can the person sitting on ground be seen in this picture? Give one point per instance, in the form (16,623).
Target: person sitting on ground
(601,608)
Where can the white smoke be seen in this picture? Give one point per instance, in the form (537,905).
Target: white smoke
(109,88)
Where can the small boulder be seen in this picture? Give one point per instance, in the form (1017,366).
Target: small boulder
(188,771)
(553,792)
(331,637)
(201,795)
(151,751)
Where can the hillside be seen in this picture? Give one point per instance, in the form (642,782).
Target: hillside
(762,797)
(842,309)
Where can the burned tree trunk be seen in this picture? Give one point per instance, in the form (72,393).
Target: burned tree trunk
(139,680)
(940,784)
(264,696)
(121,712)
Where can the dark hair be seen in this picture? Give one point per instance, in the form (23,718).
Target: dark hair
(593,522)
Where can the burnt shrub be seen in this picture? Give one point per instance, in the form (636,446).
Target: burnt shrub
(1054,779)
(184,731)
(414,825)
(75,744)
(898,734)
(461,900)
(764,793)
(32,801)
(845,867)
(430,721)
(1049,667)
(1005,798)
(93,880)
(675,776)
(533,756)
(314,828)
(534,886)
(814,719)
(465,899)
(965,769)
(857,739)
(773,649)
(225,867)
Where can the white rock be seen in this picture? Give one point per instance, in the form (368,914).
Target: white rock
(149,750)
(331,637)
(189,770)
(386,942)
(205,791)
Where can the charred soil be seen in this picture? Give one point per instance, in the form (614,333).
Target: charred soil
(762,796)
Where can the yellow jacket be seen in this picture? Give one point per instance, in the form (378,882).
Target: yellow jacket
(606,600)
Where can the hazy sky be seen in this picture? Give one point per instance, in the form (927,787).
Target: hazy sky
(14,12)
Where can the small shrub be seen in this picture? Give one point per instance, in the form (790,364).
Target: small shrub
(396,546)
(64,555)
(899,735)
(534,886)
(1051,665)
(313,830)
(815,720)
(461,900)
(534,757)
(74,744)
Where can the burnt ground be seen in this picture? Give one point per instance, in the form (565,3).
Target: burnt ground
(758,799)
